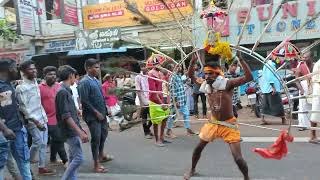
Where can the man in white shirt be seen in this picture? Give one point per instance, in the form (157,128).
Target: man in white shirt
(28,95)
(315,117)
(75,94)
(142,87)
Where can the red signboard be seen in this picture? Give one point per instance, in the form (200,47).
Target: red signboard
(69,13)
(56,7)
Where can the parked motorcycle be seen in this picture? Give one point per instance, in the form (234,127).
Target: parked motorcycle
(293,91)
(254,98)
(128,106)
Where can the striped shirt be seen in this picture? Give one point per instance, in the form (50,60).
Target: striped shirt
(235,97)
(28,95)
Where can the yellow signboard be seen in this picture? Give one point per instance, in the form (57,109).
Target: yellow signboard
(121,15)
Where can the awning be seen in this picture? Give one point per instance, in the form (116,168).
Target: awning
(96,51)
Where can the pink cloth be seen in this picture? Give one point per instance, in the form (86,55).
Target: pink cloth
(110,100)
(155,85)
(304,68)
(48,96)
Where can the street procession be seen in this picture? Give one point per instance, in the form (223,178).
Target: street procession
(159,89)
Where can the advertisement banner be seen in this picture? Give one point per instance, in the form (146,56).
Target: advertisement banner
(291,16)
(57,8)
(69,12)
(25,17)
(97,39)
(158,12)
(120,14)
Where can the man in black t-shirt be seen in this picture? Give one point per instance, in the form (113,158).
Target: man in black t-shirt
(68,120)
(9,113)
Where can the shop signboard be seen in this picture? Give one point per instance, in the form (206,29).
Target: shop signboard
(59,46)
(98,38)
(119,14)
(25,17)
(291,16)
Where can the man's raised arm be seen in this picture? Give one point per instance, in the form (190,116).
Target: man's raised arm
(191,69)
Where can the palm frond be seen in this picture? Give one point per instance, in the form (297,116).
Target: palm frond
(111,70)
(119,92)
(132,7)
(120,60)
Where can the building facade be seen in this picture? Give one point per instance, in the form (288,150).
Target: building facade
(291,16)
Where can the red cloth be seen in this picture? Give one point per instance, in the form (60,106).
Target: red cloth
(48,96)
(278,150)
(155,85)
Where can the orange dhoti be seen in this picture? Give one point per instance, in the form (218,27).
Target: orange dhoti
(226,130)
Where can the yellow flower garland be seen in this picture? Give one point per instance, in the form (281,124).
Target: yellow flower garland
(221,48)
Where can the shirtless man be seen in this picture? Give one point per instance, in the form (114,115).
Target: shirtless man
(222,123)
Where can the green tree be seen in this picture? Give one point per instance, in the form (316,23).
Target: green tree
(8,33)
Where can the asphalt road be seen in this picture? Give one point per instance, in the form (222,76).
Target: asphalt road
(137,158)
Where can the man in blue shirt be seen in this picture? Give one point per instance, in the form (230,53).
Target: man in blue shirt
(270,87)
(10,114)
(94,112)
(196,93)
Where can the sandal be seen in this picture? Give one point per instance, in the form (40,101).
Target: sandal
(101,169)
(160,144)
(106,158)
(314,141)
(302,129)
(264,123)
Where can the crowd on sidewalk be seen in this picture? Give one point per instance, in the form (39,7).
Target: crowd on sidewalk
(34,112)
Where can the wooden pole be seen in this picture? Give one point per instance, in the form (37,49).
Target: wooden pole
(295,32)
(151,48)
(137,12)
(310,46)
(100,73)
(302,77)
(244,25)
(256,44)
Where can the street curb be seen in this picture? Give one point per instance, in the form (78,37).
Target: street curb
(152,177)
